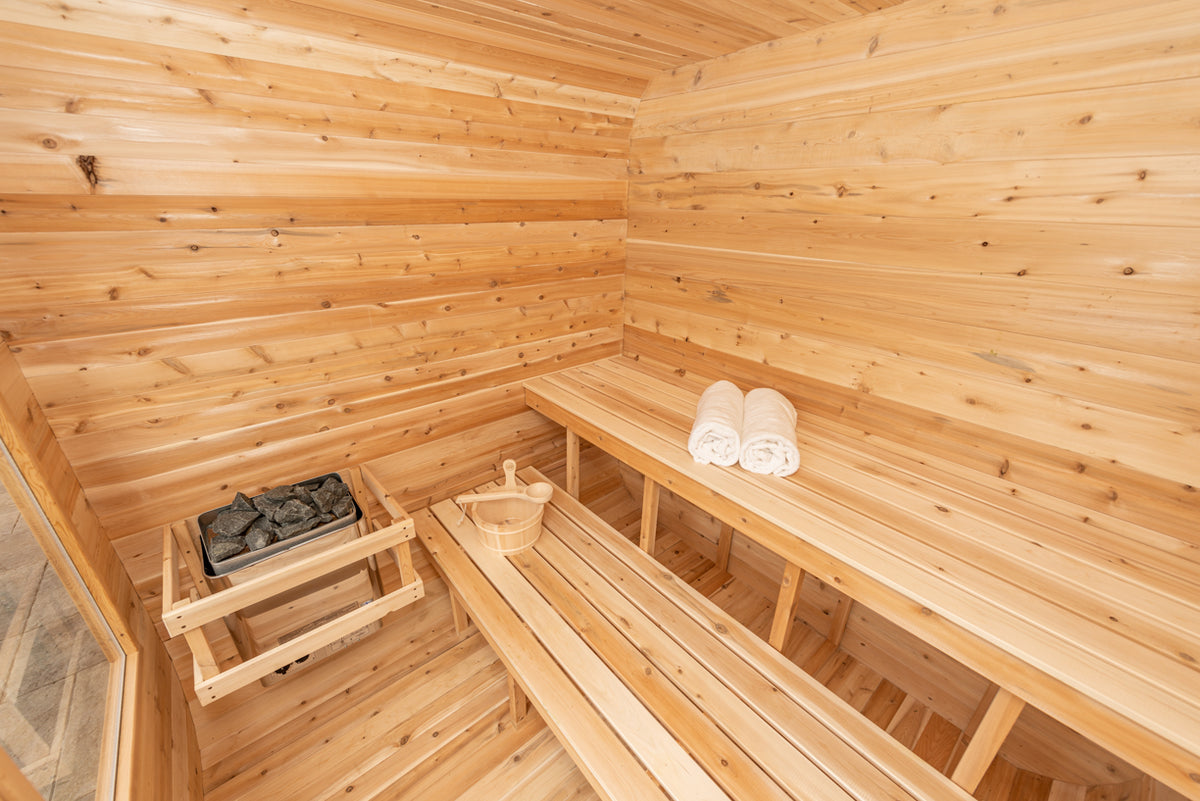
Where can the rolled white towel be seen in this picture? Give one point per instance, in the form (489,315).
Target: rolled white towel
(769,434)
(716,432)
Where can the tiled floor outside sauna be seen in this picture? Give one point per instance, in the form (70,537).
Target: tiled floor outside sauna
(53,676)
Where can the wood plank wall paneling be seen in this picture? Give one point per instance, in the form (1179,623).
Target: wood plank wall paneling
(243,246)
(985,211)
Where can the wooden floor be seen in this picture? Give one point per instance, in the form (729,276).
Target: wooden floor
(415,712)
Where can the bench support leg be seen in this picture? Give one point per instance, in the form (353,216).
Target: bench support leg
(995,725)
(724,546)
(459,613)
(572,464)
(841,616)
(785,606)
(518,704)
(402,556)
(649,515)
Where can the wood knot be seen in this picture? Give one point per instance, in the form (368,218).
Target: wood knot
(88,165)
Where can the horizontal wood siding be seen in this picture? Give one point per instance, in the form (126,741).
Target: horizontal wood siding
(242,246)
(985,211)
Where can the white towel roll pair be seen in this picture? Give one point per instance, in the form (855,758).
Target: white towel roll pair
(757,431)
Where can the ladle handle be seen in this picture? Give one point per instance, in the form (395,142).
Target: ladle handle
(510,470)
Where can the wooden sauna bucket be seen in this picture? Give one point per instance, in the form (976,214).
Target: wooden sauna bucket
(508,519)
(507,525)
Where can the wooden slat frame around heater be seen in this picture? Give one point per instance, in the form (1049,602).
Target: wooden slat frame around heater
(188,617)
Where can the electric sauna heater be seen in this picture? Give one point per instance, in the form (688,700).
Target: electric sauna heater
(254,535)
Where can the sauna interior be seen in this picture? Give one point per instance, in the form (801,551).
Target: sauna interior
(244,244)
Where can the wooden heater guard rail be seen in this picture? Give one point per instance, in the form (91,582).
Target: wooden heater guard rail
(188,616)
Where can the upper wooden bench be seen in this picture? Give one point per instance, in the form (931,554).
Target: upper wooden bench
(653,690)
(1094,621)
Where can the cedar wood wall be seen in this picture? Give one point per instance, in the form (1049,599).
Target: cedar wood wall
(984,210)
(302,249)
(295,249)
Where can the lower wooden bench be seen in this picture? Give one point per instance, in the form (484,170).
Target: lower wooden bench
(653,690)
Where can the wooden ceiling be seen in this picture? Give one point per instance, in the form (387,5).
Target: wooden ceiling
(610,45)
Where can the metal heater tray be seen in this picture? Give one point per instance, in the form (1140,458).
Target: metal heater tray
(247,558)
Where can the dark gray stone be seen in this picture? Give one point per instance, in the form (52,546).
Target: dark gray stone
(241,503)
(294,511)
(325,499)
(221,549)
(231,523)
(279,494)
(286,532)
(336,486)
(259,538)
(344,507)
(302,494)
(267,506)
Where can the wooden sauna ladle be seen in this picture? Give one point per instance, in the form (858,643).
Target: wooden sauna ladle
(538,492)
